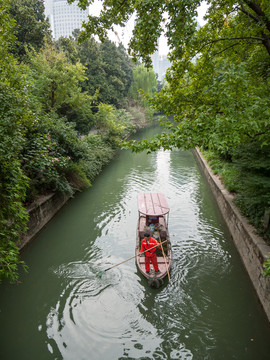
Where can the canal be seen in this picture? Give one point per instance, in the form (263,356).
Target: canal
(62,310)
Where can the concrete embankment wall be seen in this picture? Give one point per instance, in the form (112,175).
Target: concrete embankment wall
(252,248)
(40,213)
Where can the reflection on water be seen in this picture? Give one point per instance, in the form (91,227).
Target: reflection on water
(63,310)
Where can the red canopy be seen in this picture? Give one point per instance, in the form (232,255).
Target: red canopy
(152,204)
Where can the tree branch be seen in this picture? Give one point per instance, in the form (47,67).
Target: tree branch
(261,18)
(233,38)
(258,10)
(258,134)
(219,52)
(249,14)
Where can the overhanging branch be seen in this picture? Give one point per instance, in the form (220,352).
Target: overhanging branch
(221,51)
(258,10)
(230,39)
(255,18)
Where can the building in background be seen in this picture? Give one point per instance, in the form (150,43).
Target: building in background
(160,62)
(64,18)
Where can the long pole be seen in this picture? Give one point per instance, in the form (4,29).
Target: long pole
(101,272)
(164,256)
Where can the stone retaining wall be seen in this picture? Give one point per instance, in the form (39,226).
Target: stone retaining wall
(40,213)
(252,248)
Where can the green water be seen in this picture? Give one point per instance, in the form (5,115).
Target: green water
(62,310)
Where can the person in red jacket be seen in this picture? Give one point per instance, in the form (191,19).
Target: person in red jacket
(150,255)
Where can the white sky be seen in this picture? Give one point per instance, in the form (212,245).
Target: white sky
(124,34)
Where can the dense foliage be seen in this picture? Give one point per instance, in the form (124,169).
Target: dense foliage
(212,87)
(217,88)
(14,119)
(61,120)
(61,106)
(143,80)
(108,69)
(31,26)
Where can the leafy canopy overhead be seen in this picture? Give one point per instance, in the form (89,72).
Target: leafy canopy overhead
(151,15)
(177,19)
(217,88)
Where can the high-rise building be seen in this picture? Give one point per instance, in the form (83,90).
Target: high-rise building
(160,63)
(64,18)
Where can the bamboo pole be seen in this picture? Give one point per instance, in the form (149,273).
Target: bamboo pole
(101,272)
(164,256)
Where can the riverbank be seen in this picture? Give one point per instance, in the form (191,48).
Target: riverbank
(42,210)
(208,310)
(252,248)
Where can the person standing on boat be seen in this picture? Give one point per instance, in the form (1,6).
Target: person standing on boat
(150,255)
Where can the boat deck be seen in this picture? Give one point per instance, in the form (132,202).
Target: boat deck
(161,265)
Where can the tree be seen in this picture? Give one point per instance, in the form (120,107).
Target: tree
(90,56)
(108,69)
(143,80)
(56,86)
(234,44)
(69,47)
(15,117)
(31,26)
(217,89)
(180,22)
(118,69)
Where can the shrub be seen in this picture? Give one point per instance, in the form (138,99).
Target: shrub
(267,267)
(99,154)
(44,165)
(76,176)
(247,175)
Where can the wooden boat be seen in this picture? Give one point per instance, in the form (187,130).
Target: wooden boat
(153,219)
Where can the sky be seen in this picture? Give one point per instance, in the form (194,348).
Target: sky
(124,34)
